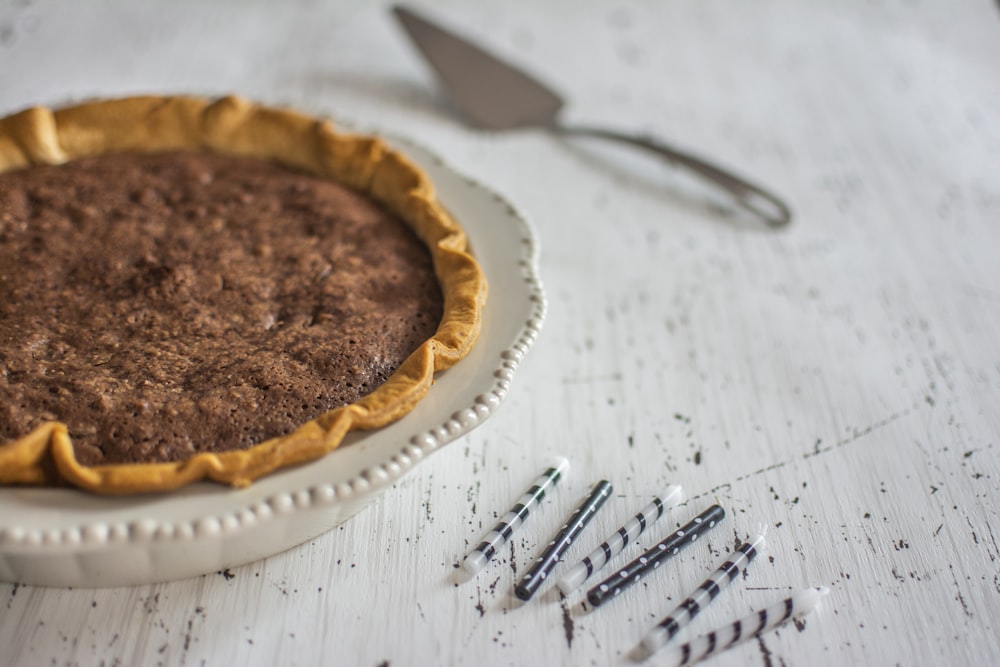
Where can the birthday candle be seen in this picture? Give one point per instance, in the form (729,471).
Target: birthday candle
(705,593)
(512,520)
(618,540)
(578,520)
(655,556)
(757,623)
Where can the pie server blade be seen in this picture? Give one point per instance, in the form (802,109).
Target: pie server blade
(495,95)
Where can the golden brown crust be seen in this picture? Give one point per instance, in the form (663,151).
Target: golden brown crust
(234,126)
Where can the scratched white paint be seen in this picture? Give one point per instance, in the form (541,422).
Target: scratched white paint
(838,380)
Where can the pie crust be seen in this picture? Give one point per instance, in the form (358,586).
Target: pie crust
(235,126)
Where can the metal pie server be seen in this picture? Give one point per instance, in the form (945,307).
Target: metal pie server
(496,96)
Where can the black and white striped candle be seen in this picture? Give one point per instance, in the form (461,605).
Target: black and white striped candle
(578,520)
(757,623)
(477,558)
(655,556)
(618,540)
(705,593)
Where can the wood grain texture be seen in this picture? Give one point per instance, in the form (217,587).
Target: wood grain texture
(838,380)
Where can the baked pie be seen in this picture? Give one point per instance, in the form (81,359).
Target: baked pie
(194,289)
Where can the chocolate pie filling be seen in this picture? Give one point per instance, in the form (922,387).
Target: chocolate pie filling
(167,304)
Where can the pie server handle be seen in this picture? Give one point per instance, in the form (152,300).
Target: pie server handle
(750,197)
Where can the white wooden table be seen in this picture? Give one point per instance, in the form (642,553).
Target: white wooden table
(838,380)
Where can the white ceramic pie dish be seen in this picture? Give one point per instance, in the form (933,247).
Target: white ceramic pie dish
(58,537)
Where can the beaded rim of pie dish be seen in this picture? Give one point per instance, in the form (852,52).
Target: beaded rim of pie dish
(235,126)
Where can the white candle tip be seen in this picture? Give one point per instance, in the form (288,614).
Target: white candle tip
(560,463)
(808,599)
(673,495)
(474,562)
(572,580)
(654,641)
